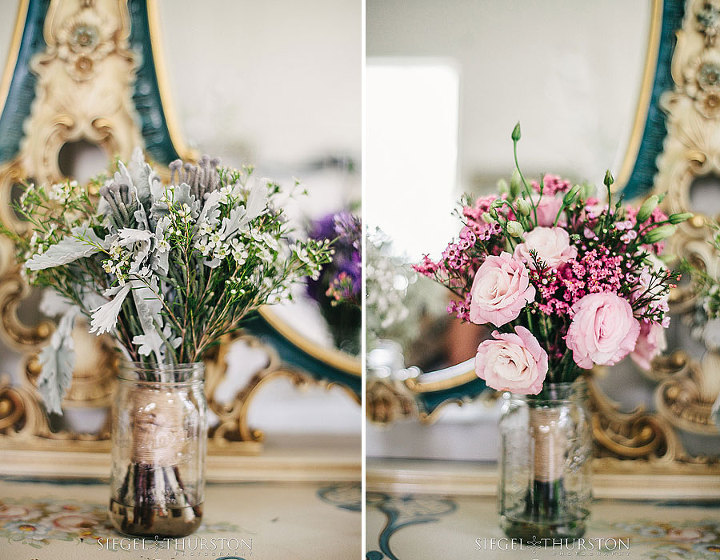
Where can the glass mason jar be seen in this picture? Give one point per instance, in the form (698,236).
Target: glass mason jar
(545,467)
(159,439)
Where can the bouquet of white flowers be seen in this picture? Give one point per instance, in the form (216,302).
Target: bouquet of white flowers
(165,269)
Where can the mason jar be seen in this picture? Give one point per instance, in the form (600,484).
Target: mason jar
(545,463)
(159,440)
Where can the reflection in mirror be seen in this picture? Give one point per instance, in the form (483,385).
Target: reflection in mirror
(82,160)
(280,109)
(704,197)
(575,87)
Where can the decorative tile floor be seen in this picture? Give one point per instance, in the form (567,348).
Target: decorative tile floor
(263,521)
(424,527)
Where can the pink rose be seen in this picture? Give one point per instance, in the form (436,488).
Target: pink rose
(512,362)
(552,246)
(650,343)
(603,330)
(547,209)
(501,290)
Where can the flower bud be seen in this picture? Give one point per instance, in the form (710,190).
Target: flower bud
(523,207)
(679,218)
(503,187)
(571,195)
(515,228)
(516,184)
(487,218)
(608,179)
(646,209)
(516,133)
(659,233)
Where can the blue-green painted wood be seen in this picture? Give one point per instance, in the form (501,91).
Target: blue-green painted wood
(655,131)
(298,358)
(431,400)
(643,173)
(22,87)
(155,133)
(146,95)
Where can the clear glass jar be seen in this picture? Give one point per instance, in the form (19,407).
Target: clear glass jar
(545,463)
(159,441)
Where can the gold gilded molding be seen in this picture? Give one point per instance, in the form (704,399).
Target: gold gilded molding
(685,387)
(331,356)
(84,87)
(13,52)
(643,104)
(387,401)
(691,150)
(166,99)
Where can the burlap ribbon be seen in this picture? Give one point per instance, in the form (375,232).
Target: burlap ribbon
(158,435)
(550,443)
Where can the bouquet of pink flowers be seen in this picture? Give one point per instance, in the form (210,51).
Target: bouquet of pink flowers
(565,280)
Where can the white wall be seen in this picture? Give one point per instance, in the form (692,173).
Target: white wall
(569,71)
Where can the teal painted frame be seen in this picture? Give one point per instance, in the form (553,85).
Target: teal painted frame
(155,131)
(639,182)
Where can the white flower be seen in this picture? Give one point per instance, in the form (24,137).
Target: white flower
(271,241)
(302,254)
(225,194)
(105,316)
(203,246)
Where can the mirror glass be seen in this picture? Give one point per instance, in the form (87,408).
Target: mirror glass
(446,83)
(282,92)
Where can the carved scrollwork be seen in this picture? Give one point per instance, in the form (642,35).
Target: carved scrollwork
(387,401)
(85,80)
(632,435)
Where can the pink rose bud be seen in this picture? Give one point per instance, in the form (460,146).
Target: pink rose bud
(500,290)
(547,208)
(551,244)
(512,362)
(603,330)
(650,344)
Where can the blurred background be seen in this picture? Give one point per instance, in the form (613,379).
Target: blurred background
(446,83)
(261,83)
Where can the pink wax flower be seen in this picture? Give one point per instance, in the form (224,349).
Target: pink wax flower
(551,244)
(650,344)
(603,330)
(500,290)
(552,184)
(512,362)
(547,209)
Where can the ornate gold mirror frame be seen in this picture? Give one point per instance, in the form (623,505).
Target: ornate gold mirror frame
(92,71)
(675,139)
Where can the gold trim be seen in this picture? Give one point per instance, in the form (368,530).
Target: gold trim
(643,104)
(418,386)
(166,100)
(332,357)
(15,42)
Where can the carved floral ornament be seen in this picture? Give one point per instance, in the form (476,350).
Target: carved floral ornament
(685,387)
(84,91)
